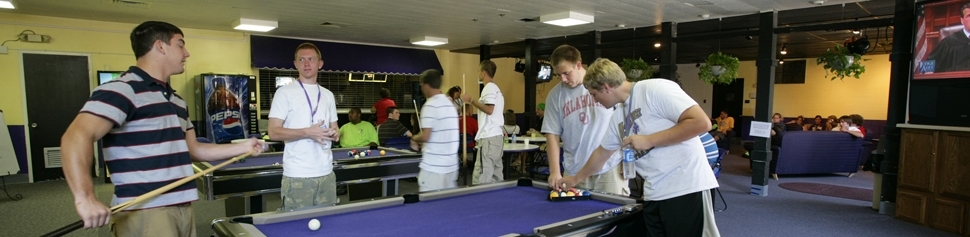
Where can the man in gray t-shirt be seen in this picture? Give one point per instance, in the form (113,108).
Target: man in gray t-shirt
(573,115)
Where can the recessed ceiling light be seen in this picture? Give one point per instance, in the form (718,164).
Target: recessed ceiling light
(566,19)
(254,25)
(429,40)
(8,4)
(656,45)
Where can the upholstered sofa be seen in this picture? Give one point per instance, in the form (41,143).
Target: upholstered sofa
(806,152)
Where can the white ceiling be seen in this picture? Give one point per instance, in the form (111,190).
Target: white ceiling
(466,23)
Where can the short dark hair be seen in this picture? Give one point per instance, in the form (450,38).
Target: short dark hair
(307,45)
(431,77)
(965,7)
(566,53)
(143,37)
(846,119)
(488,67)
(818,116)
(391,110)
(385,93)
(355,109)
(857,119)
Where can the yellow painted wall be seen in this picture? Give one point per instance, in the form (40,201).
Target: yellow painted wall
(510,82)
(867,96)
(109,49)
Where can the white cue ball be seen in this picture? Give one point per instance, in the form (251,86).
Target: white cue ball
(314,224)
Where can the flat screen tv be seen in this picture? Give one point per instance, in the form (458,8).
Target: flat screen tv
(940,50)
(941,65)
(105,76)
(545,73)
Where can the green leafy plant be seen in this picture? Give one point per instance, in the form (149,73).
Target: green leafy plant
(727,65)
(840,63)
(630,66)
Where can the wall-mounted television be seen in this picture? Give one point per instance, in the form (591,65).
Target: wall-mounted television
(105,76)
(940,50)
(941,65)
(545,73)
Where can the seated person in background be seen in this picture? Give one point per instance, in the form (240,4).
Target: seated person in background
(725,124)
(817,126)
(392,127)
(849,125)
(357,133)
(510,127)
(832,123)
(798,124)
(537,122)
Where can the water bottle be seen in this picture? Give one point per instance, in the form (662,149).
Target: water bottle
(513,138)
(629,164)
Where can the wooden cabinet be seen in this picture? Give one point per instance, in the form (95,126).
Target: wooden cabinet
(934,183)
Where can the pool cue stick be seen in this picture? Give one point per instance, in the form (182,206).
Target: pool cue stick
(417,113)
(117,208)
(464,125)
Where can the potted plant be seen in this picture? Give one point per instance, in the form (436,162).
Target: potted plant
(840,63)
(636,69)
(719,69)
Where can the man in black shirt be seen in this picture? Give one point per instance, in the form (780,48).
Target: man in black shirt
(392,127)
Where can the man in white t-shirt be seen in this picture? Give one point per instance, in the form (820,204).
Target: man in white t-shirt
(304,116)
(660,123)
(439,133)
(489,140)
(573,115)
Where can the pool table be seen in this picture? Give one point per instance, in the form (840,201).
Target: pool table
(511,208)
(245,182)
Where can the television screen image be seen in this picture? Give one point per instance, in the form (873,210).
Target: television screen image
(105,76)
(545,73)
(282,81)
(941,50)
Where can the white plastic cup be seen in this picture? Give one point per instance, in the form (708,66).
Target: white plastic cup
(526,141)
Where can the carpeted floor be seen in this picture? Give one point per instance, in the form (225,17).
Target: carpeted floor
(48,205)
(860,194)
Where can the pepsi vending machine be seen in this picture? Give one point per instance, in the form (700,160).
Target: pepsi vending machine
(223,106)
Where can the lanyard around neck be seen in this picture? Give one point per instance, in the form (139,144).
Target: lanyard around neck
(628,119)
(313,109)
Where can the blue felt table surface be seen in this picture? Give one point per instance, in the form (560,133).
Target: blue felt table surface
(494,213)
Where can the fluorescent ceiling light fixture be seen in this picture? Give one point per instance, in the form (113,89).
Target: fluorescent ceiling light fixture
(254,25)
(8,4)
(429,41)
(566,19)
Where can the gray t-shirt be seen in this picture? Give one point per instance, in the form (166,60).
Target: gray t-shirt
(580,122)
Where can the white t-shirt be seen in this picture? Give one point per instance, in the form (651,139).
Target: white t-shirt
(491,125)
(580,122)
(673,170)
(305,158)
(440,153)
